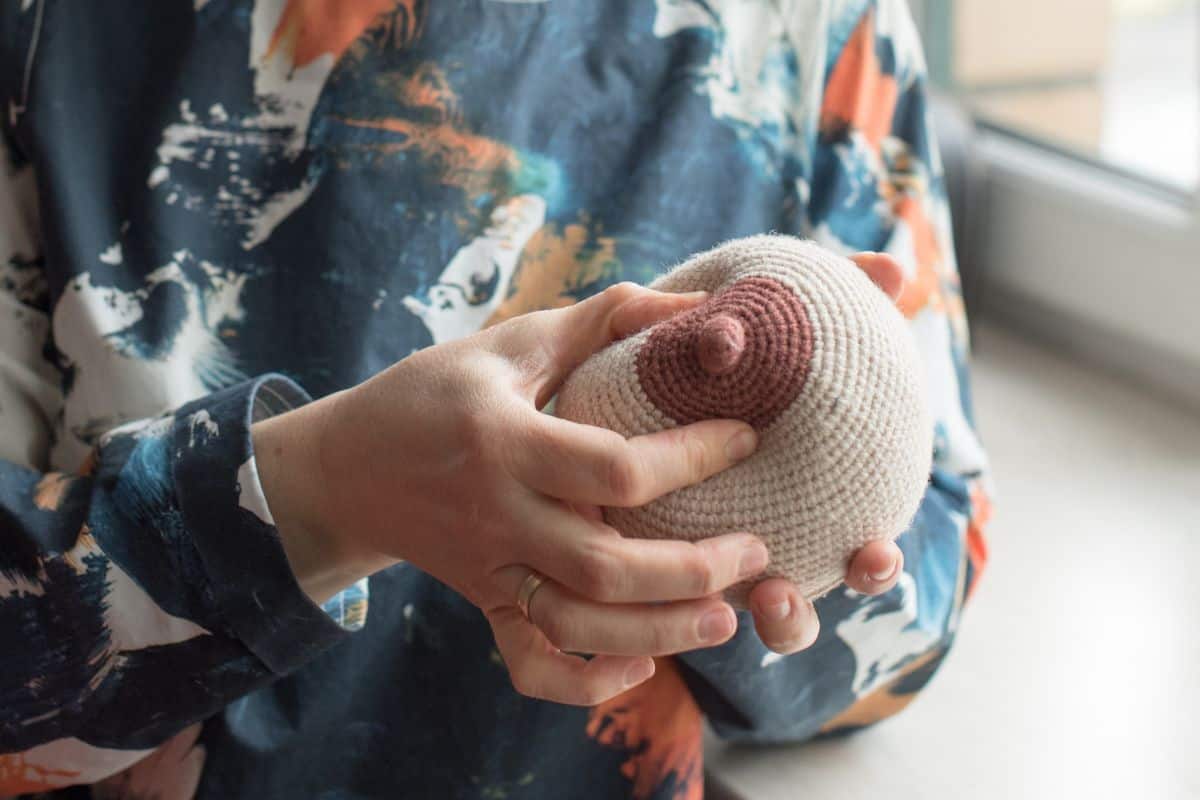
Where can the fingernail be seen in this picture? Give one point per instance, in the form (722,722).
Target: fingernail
(740,445)
(694,295)
(778,612)
(753,561)
(717,625)
(883,575)
(639,671)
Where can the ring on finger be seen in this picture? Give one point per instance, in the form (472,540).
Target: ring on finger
(533,581)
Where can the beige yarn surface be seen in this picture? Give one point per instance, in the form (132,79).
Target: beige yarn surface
(845,463)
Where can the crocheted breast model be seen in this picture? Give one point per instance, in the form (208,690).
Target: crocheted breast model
(799,343)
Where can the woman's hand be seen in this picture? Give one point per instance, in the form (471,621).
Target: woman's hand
(444,461)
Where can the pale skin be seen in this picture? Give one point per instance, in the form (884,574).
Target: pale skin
(445,461)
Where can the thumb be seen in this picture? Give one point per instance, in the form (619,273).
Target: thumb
(884,270)
(546,346)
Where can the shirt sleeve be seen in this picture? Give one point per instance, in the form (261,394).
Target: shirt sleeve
(875,183)
(147,590)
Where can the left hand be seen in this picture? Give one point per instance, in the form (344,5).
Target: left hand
(785,621)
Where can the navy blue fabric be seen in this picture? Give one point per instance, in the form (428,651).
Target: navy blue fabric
(307,191)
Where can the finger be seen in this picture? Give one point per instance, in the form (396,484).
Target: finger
(579,625)
(538,669)
(785,621)
(875,568)
(547,345)
(588,511)
(595,561)
(585,464)
(884,270)
(639,313)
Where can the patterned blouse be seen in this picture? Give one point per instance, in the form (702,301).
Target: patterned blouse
(213,210)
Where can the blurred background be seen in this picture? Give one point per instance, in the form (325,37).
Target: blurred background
(1114,82)
(1070,131)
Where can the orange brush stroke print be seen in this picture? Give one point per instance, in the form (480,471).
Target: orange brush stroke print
(977,545)
(881,703)
(858,93)
(553,266)
(308,29)
(922,288)
(861,97)
(465,159)
(659,725)
(50,490)
(469,161)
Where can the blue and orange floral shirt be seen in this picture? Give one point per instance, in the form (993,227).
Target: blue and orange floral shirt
(213,210)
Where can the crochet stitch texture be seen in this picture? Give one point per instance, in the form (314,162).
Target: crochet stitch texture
(799,343)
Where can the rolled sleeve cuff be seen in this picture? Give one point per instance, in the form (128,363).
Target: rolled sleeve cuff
(226,512)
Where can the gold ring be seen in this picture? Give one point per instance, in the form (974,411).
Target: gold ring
(533,581)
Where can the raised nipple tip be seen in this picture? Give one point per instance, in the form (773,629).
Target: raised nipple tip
(720,343)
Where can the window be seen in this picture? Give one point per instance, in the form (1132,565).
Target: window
(1082,216)
(1116,81)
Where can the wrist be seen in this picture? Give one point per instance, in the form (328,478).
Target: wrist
(288,457)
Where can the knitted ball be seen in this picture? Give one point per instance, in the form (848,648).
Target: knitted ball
(799,343)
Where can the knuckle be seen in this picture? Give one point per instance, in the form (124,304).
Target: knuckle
(512,330)
(702,574)
(474,430)
(624,477)
(660,639)
(696,457)
(539,329)
(601,575)
(618,293)
(557,628)
(537,443)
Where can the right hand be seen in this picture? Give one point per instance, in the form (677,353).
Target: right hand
(444,461)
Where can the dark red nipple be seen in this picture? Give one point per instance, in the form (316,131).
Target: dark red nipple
(720,343)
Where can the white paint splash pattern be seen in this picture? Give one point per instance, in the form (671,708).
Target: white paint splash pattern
(112,254)
(883,643)
(476,280)
(94,331)
(202,422)
(767,65)
(285,95)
